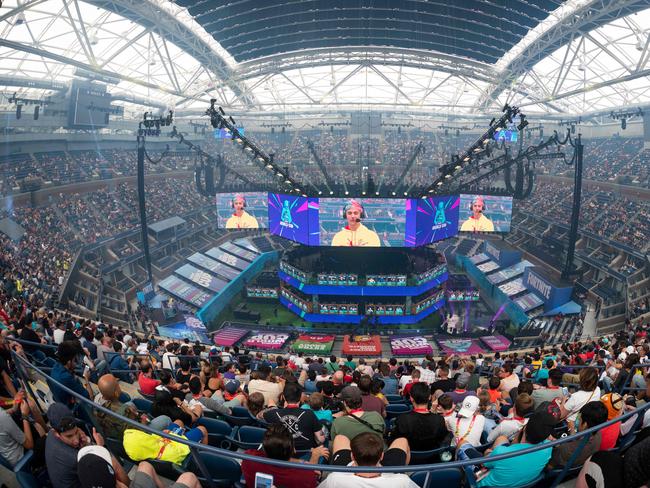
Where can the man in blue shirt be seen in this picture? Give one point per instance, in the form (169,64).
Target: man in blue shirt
(520,470)
(63,372)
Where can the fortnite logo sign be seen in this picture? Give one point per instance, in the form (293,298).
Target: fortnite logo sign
(540,285)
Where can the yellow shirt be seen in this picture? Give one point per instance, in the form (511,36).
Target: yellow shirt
(362,237)
(482,224)
(246,221)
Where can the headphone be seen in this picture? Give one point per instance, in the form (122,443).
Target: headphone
(232,202)
(474,200)
(353,203)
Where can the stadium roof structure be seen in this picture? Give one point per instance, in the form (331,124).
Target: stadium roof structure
(280,56)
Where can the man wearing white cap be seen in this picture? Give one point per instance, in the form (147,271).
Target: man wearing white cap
(467,425)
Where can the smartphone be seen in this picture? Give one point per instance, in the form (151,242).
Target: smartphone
(263,480)
(565,391)
(86,370)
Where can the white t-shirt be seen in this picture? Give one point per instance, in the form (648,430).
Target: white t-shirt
(57,335)
(169,361)
(508,427)
(349,480)
(460,428)
(578,400)
(404,380)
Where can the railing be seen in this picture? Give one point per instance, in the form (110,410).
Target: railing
(24,366)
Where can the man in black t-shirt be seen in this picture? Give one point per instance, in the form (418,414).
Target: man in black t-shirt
(303,424)
(423,430)
(444,383)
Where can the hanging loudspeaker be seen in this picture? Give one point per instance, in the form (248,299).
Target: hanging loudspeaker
(19,110)
(36,110)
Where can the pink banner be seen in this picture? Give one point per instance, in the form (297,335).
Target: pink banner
(410,345)
(229,336)
(266,340)
(496,342)
(459,346)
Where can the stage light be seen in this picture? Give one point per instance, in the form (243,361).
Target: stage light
(457,167)
(406,193)
(346,192)
(431,191)
(363,192)
(260,159)
(394,193)
(248,148)
(331,192)
(447,176)
(320,192)
(377,193)
(467,158)
(440,183)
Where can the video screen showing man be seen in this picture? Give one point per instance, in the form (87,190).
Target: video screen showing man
(355,234)
(240,218)
(485,213)
(477,221)
(242,210)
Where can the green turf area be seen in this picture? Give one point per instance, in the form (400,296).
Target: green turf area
(269,308)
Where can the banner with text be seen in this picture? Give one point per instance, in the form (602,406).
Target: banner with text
(362,345)
(266,340)
(416,345)
(310,343)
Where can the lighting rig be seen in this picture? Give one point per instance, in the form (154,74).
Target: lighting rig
(219,120)
(623,115)
(572,124)
(208,164)
(149,126)
(20,101)
(479,149)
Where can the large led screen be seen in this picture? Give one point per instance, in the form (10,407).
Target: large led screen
(431,219)
(294,217)
(364,222)
(484,213)
(242,210)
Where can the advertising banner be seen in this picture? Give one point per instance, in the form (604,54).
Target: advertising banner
(459,346)
(416,345)
(310,343)
(229,336)
(266,340)
(362,345)
(496,342)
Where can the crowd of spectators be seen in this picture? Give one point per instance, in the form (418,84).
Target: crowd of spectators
(318,410)
(603,213)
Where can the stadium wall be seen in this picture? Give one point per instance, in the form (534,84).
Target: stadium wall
(215,306)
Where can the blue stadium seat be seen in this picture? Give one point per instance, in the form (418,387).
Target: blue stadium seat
(22,470)
(143,405)
(224,471)
(448,477)
(430,456)
(396,409)
(218,430)
(248,437)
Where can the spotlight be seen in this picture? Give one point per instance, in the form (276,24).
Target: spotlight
(394,193)
(332,193)
(440,183)
(320,192)
(346,192)
(406,193)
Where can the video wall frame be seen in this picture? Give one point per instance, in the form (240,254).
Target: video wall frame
(365,222)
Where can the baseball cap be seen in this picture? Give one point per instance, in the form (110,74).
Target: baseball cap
(61,418)
(614,403)
(350,394)
(232,386)
(540,425)
(95,467)
(463,380)
(469,406)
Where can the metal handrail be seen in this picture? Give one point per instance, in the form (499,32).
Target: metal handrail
(196,448)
